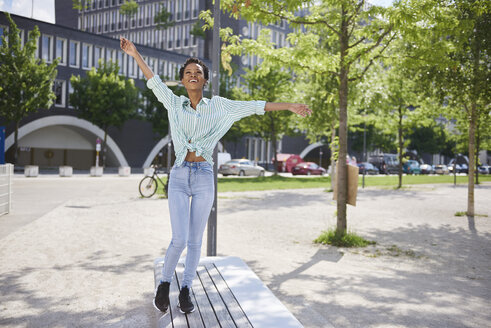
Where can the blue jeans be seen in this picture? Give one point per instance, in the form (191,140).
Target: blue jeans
(188,219)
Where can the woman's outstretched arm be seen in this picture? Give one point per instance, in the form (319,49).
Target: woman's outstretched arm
(300,109)
(128,47)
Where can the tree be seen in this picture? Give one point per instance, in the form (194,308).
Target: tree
(451,45)
(358,35)
(26,82)
(129,8)
(82,5)
(164,19)
(154,112)
(104,98)
(272,86)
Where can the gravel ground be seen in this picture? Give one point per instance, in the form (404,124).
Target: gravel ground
(79,252)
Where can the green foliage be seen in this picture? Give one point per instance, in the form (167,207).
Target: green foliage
(197,30)
(154,112)
(103,97)
(163,19)
(81,4)
(129,8)
(273,85)
(26,82)
(342,239)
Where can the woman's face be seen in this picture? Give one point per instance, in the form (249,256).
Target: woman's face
(193,77)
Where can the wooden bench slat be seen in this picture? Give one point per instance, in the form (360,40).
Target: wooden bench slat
(216,301)
(178,319)
(205,308)
(194,319)
(233,306)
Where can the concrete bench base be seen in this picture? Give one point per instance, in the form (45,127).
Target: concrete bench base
(226,293)
(124,171)
(96,171)
(66,171)
(31,170)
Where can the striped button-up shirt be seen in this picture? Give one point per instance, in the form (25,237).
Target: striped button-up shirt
(200,130)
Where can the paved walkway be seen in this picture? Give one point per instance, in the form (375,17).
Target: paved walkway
(79,252)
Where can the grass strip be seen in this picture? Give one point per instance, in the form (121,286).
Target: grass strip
(348,239)
(281,182)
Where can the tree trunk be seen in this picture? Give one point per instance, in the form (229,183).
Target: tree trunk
(333,154)
(400,142)
(478,144)
(273,141)
(16,139)
(341,175)
(472,149)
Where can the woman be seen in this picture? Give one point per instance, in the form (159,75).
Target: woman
(197,124)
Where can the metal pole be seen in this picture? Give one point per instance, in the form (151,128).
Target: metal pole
(364,151)
(215,83)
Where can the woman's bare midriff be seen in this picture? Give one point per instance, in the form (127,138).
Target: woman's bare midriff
(191,157)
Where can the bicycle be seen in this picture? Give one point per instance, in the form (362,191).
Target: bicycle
(148,185)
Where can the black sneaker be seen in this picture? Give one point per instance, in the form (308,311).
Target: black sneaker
(185,305)
(161,300)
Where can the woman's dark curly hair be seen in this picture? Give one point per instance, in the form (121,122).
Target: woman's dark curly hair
(206,71)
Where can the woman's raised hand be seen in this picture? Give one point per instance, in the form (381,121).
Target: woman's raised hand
(300,109)
(128,47)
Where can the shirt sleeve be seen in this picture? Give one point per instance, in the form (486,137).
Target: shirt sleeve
(162,92)
(238,109)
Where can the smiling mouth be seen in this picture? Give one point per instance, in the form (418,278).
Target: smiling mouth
(195,81)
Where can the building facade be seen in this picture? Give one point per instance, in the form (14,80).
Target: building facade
(56,136)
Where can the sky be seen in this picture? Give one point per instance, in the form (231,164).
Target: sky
(44,10)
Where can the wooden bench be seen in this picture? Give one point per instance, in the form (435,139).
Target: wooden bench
(226,293)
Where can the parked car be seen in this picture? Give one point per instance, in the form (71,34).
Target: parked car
(241,167)
(426,169)
(367,168)
(458,168)
(308,168)
(386,163)
(411,167)
(484,169)
(441,169)
(464,168)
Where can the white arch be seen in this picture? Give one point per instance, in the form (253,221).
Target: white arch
(155,150)
(67,120)
(309,148)
(161,144)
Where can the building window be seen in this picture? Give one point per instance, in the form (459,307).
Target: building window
(186,35)
(195,8)
(122,62)
(163,68)
(178,36)
(131,67)
(74,53)
(99,23)
(170,37)
(106,22)
(70,91)
(3,32)
(61,50)
(59,90)
(113,20)
(140,13)
(147,14)
(171,8)
(187,7)
(86,55)
(111,55)
(47,48)
(98,55)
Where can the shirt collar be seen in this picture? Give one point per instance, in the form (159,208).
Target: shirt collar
(187,102)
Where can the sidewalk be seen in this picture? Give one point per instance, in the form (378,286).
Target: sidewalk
(85,258)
